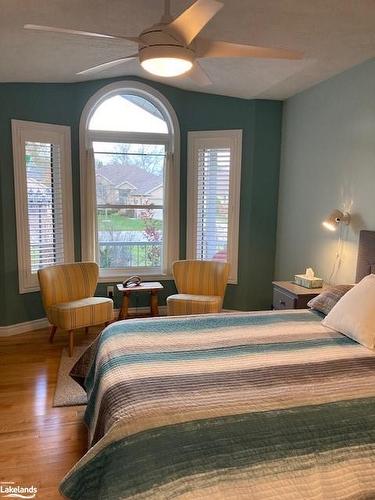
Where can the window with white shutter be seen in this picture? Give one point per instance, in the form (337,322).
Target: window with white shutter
(42,175)
(214,175)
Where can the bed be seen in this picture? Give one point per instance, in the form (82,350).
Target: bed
(264,405)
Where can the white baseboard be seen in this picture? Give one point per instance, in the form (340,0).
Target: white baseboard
(27,326)
(38,324)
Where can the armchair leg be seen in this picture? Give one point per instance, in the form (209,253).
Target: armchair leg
(86,330)
(52,333)
(71,342)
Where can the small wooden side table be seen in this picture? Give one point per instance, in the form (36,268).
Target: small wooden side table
(288,295)
(152,287)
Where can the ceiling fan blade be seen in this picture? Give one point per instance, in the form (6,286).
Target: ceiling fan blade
(212,48)
(109,64)
(54,29)
(199,76)
(188,24)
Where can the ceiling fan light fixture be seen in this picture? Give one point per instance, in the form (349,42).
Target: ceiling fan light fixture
(166,66)
(166,61)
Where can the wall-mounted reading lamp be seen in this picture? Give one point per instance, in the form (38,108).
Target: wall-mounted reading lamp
(335,218)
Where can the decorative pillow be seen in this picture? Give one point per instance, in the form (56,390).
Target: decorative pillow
(354,314)
(326,300)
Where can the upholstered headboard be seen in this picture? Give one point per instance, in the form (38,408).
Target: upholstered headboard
(366,254)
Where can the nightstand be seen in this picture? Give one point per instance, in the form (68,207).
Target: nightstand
(288,295)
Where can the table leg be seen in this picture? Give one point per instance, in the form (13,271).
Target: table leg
(124,311)
(154,303)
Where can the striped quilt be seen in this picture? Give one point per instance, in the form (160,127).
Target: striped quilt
(266,405)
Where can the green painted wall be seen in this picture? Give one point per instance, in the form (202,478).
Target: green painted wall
(63,104)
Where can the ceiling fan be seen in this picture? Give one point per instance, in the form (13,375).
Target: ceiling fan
(172,47)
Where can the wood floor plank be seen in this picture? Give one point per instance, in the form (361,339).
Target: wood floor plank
(38,443)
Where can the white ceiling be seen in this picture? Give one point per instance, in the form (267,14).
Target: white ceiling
(333,34)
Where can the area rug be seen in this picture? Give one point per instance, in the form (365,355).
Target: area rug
(68,392)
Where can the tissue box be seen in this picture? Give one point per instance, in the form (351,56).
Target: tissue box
(302,280)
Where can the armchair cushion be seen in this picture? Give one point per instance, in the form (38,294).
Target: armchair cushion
(184,303)
(80,313)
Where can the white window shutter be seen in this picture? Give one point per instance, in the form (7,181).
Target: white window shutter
(43,198)
(214,168)
(44,204)
(213,178)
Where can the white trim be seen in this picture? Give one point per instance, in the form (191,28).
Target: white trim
(216,138)
(116,275)
(130,137)
(23,131)
(27,326)
(42,323)
(172,177)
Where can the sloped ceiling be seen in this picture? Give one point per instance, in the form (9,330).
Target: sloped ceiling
(333,34)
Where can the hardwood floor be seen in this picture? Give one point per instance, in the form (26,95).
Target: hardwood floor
(38,443)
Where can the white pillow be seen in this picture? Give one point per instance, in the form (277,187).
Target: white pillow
(354,313)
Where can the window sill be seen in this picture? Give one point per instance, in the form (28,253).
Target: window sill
(117,278)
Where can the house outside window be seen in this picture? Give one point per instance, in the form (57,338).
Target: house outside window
(130,170)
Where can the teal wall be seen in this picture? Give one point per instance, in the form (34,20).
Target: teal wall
(63,103)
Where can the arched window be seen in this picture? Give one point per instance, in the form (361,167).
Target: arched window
(130,181)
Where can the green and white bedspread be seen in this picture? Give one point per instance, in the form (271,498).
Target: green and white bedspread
(267,405)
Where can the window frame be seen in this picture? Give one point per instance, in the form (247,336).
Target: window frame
(171,201)
(23,131)
(142,271)
(216,138)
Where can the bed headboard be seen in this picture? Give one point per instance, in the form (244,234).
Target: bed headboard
(366,254)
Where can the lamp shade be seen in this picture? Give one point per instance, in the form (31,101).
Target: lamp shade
(167,61)
(335,218)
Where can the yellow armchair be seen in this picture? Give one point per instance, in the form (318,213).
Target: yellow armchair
(67,293)
(201,287)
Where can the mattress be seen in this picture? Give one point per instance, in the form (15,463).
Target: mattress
(265,405)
